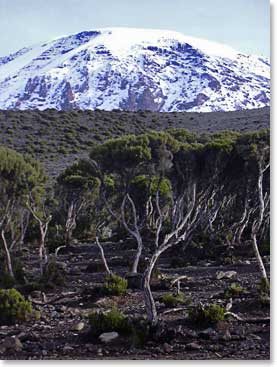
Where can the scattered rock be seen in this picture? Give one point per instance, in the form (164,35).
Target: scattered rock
(191,334)
(78,327)
(12,343)
(167,348)
(108,337)
(207,333)
(99,352)
(193,346)
(225,336)
(255,337)
(231,274)
(67,349)
(36,294)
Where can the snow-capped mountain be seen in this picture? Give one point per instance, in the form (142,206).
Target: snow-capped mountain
(133,69)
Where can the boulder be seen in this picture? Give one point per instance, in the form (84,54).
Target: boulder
(108,337)
(193,346)
(12,343)
(207,333)
(231,274)
(78,327)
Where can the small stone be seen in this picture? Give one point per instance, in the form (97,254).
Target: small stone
(108,337)
(255,337)
(12,343)
(78,327)
(99,352)
(167,348)
(226,336)
(191,334)
(193,346)
(231,274)
(67,349)
(207,333)
(36,294)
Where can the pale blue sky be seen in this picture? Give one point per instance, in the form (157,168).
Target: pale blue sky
(242,24)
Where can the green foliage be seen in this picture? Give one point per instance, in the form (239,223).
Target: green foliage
(13,307)
(264,292)
(183,135)
(170,300)
(234,290)
(122,153)
(142,186)
(115,285)
(6,281)
(206,314)
(53,275)
(105,322)
(19,175)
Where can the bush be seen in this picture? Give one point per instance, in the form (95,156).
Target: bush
(206,314)
(107,322)
(115,285)
(264,292)
(6,281)
(13,307)
(172,301)
(234,290)
(53,275)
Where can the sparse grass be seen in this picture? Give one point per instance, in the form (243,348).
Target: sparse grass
(13,307)
(115,285)
(105,322)
(170,300)
(234,290)
(203,315)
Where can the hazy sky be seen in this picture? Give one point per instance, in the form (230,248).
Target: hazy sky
(242,24)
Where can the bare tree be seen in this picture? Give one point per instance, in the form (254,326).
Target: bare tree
(43,219)
(263,205)
(13,229)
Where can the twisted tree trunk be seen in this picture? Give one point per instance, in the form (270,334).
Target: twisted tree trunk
(8,255)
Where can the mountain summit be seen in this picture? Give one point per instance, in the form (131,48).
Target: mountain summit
(133,69)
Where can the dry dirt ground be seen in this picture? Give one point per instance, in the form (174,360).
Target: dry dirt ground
(54,335)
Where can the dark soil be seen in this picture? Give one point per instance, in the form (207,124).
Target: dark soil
(52,337)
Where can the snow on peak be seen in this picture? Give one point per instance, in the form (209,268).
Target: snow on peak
(130,68)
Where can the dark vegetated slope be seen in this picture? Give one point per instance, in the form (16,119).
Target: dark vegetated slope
(57,138)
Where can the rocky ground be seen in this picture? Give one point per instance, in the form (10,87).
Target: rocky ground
(61,331)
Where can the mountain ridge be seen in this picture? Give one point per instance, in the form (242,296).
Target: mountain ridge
(133,69)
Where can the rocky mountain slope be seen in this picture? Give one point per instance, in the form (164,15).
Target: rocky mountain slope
(133,69)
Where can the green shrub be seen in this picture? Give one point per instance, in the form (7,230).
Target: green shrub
(264,292)
(141,332)
(172,301)
(6,281)
(105,322)
(115,285)
(234,290)
(13,307)
(206,314)
(53,275)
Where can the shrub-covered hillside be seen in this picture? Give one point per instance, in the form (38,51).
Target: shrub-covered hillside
(58,137)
